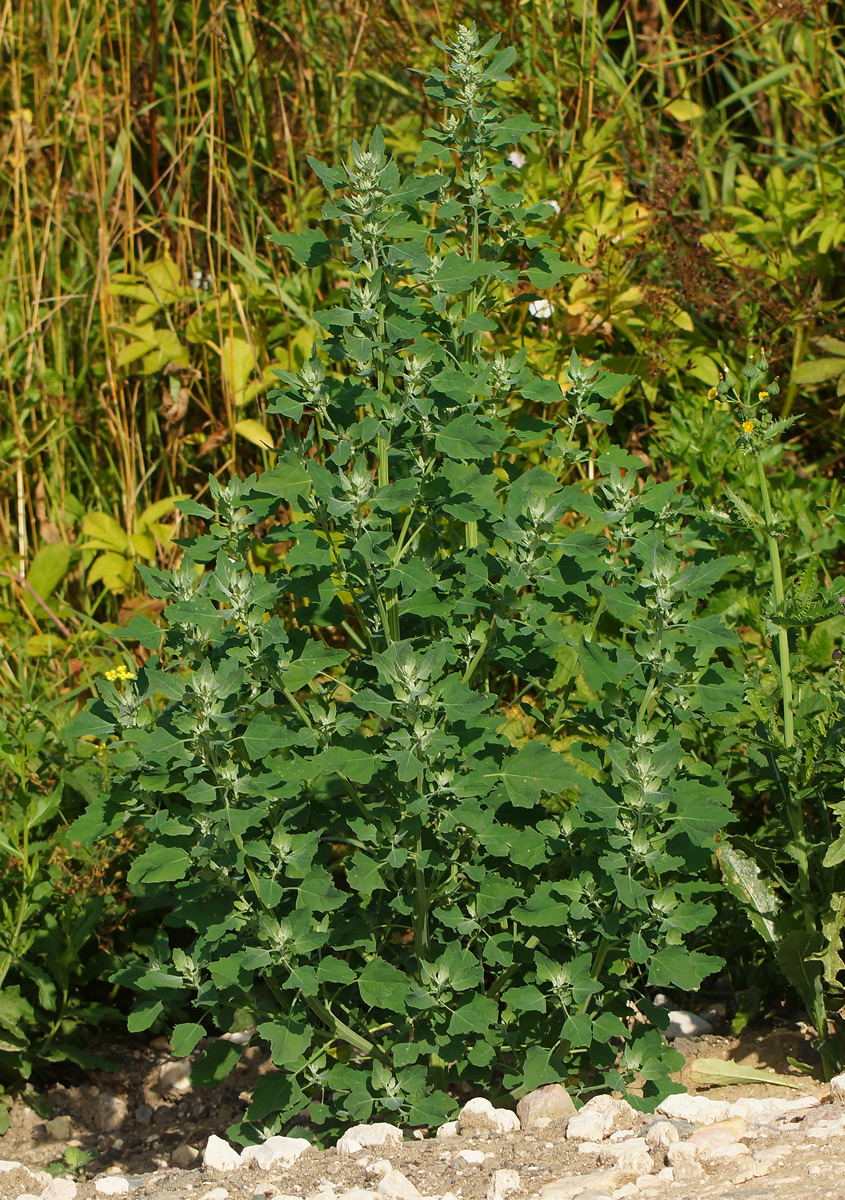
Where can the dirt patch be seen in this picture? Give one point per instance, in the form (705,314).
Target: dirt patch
(146,1121)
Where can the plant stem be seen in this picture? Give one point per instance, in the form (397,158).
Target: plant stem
(794,810)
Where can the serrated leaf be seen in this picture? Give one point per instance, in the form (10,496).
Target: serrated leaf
(288,1038)
(384,986)
(159,864)
(467,437)
(458,274)
(675,966)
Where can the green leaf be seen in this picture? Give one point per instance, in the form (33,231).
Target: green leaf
(675,966)
(467,437)
(533,771)
(48,569)
(159,864)
(383,986)
(474,1018)
(547,268)
(216,1064)
(143,1016)
(458,274)
(309,249)
(185,1037)
(743,880)
(289,1039)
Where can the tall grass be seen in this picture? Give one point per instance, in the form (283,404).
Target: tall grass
(156,145)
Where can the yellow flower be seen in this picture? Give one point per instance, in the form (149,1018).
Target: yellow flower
(747,426)
(712,394)
(121,673)
(764,395)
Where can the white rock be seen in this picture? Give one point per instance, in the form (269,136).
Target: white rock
(722,1153)
(377,1134)
(60,1128)
(837,1089)
(599,1118)
(760,1111)
(622,1193)
(698,1110)
(219,1155)
(661,1135)
(471,1156)
(379,1166)
(9,1164)
(828,1129)
(478,1118)
(112,1185)
(184,1156)
(28,1196)
(594,1148)
(502,1183)
(631,1156)
(60,1188)
(357,1193)
(685,1024)
(111,1112)
(571,1186)
(174,1077)
(217,1193)
(544,1105)
(275,1150)
(397,1186)
(447,1130)
(682,1152)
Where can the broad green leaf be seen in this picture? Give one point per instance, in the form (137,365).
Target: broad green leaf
(533,771)
(185,1037)
(144,1015)
(675,966)
(458,274)
(48,569)
(102,532)
(288,1039)
(216,1064)
(159,864)
(383,986)
(467,437)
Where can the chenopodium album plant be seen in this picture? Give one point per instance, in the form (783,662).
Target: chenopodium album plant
(351,856)
(789,874)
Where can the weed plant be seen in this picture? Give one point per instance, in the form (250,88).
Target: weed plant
(353,850)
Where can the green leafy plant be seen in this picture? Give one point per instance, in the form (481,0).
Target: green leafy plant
(74,1160)
(789,873)
(60,903)
(423,805)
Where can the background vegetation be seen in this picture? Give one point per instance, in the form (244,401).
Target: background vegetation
(147,154)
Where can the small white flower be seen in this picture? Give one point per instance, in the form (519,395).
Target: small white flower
(553,204)
(517,159)
(541,308)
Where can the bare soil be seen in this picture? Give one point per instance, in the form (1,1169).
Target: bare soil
(133,1124)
